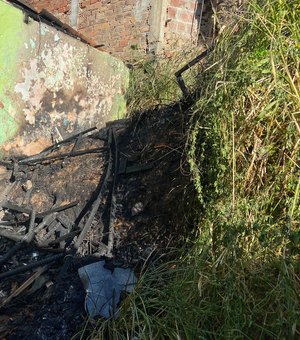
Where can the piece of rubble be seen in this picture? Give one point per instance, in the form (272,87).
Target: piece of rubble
(137,208)
(27,185)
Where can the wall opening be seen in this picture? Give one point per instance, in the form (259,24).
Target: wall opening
(204,16)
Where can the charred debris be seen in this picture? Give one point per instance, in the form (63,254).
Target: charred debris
(98,195)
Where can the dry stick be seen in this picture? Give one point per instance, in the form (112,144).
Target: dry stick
(97,202)
(22,238)
(113,205)
(14,207)
(69,139)
(61,156)
(27,211)
(46,221)
(57,209)
(7,223)
(25,285)
(29,192)
(30,235)
(11,236)
(33,265)
(55,145)
(54,228)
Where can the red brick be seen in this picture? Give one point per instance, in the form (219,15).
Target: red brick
(192,6)
(178,3)
(104,26)
(124,42)
(145,28)
(84,4)
(185,16)
(172,26)
(181,27)
(172,12)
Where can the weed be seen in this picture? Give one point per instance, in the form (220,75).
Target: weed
(153,82)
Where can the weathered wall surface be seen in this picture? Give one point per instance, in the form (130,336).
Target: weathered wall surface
(125,28)
(51,83)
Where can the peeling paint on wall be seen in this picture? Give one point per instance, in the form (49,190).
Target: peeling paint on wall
(8,32)
(50,81)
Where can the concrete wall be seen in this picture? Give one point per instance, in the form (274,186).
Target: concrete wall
(125,28)
(51,84)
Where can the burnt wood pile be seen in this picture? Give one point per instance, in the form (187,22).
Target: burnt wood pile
(115,194)
(55,207)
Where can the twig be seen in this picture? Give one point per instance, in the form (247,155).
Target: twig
(25,285)
(33,265)
(57,209)
(11,236)
(52,147)
(97,202)
(93,212)
(14,207)
(23,238)
(69,139)
(27,211)
(113,205)
(61,156)
(30,235)
(46,221)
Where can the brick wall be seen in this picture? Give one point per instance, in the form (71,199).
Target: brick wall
(179,28)
(123,27)
(60,8)
(187,22)
(120,27)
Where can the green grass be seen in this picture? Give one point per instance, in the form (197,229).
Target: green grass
(153,84)
(241,277)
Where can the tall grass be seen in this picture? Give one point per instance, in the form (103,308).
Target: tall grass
(245,136)
(153,83)
(241,278)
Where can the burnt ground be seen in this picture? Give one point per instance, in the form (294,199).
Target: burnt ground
(135,172)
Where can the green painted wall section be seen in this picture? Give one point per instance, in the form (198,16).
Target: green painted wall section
(10,41)
(52,84)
